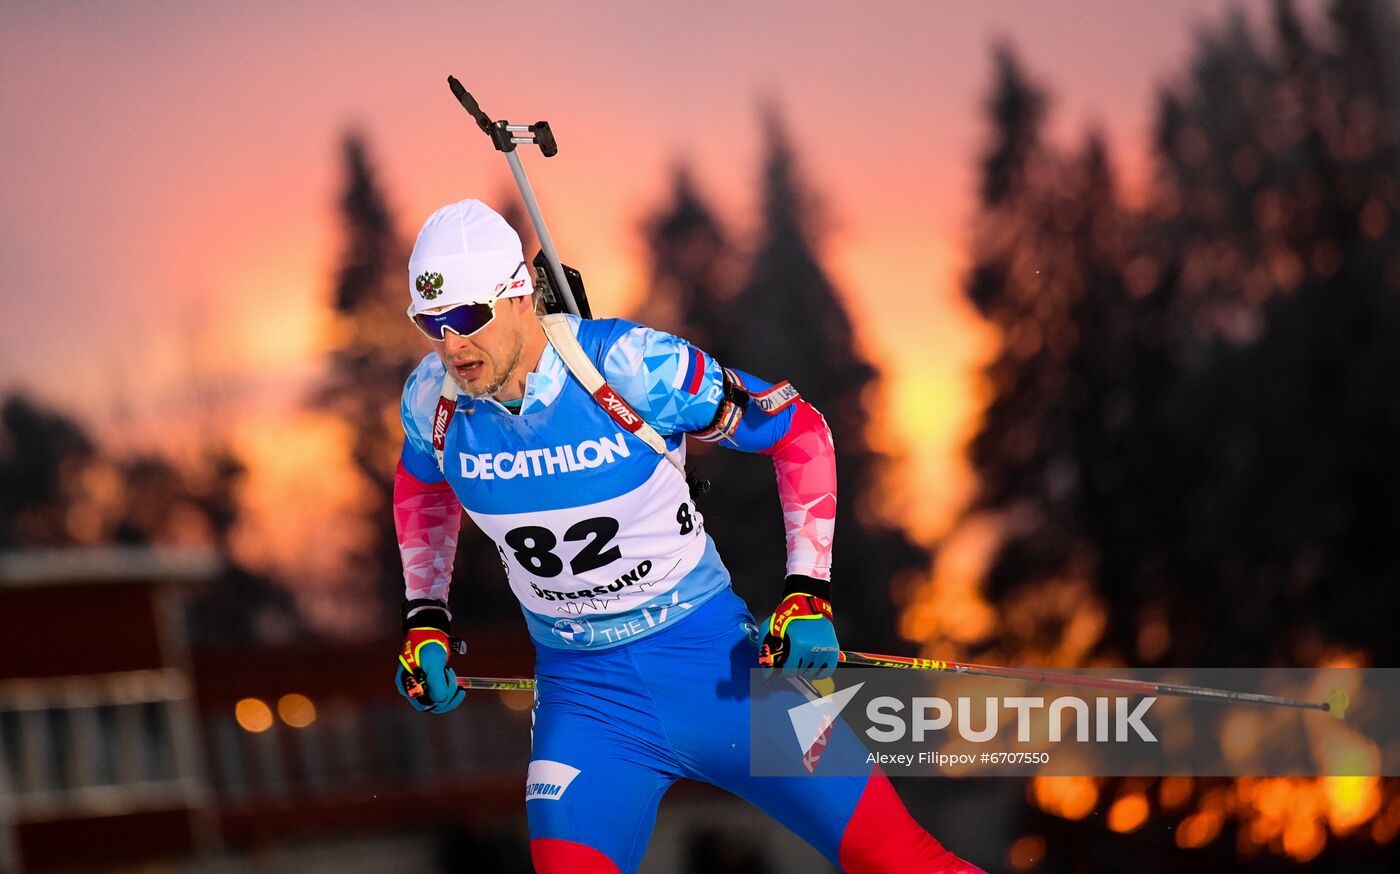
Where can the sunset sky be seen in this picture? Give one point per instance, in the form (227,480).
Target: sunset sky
(170,169)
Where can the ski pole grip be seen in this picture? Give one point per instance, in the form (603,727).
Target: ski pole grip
(469,103)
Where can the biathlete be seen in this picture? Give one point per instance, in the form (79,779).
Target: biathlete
(643,649)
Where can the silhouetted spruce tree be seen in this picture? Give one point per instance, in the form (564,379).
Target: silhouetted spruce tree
(372,351)
(1007,286)
(692,270)
(691,288)
(374,348)
(690,279)
(787,321)
(1056,453)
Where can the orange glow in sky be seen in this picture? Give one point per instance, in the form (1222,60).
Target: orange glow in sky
(171,171)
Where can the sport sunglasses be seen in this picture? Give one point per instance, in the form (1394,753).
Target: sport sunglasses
(464,319)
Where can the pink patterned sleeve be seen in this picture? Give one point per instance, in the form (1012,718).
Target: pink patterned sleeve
(805,460)
(427,518)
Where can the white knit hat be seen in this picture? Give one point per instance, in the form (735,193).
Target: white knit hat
(465,253)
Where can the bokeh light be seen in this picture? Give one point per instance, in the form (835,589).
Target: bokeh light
(1026,852)
(253,715)
(1128,813)
(1065,797)
(517,701)
(296,710)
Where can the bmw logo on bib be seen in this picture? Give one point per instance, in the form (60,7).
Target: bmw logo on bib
(574,632)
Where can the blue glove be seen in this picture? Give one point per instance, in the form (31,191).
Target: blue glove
(423,676)
(799,639)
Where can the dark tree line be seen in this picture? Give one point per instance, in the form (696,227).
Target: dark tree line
(1194,408)
(372,351)
(773,311)
(1195,404)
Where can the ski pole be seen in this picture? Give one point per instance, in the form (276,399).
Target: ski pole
(506,136)
(1335,705)
(497,684)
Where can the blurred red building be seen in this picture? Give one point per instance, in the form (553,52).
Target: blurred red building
(101,761)
(120,745)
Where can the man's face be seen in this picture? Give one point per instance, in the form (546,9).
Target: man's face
(485,361)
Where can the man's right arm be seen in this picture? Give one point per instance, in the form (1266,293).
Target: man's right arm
(427,515)
(426,519)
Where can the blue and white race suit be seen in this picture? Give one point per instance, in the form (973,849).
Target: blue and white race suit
(643,650)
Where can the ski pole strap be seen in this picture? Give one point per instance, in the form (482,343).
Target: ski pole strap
(561,337)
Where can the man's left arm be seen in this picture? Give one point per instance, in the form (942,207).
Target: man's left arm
(680,389)
(799,638)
